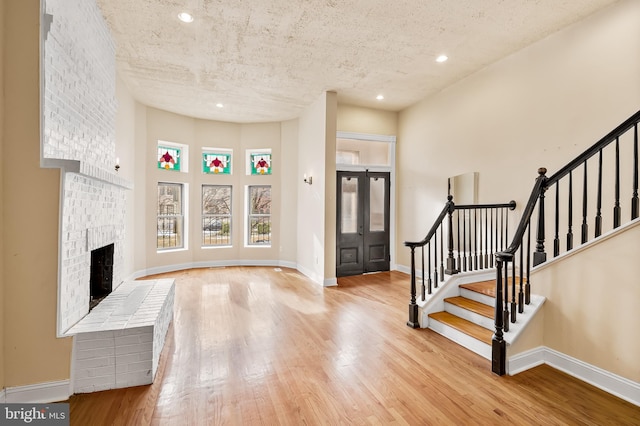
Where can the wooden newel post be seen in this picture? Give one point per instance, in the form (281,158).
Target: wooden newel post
(539,256)
(413,307)
(451,261)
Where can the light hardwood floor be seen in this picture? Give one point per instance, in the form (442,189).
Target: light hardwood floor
(254,345)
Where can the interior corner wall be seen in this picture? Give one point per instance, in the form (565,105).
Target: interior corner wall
(126,155)
(330,207)
(541,106)
(357,119)
(141,218)
(311,198)
(32,353)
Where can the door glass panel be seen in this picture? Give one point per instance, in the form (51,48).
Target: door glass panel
(376,204)
(349,219)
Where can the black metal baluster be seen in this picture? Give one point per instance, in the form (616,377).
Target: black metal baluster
(570,218)
(521,292)
(513,290)
(616,207)
(491,237)
(475,239)
(429,283)
(556,239)
(599,198)
(459,266)
(527,287)
(435,258)
(585,226)
(423,273)
(464,240)
(505,312)
(502,229)
(506,227)
(470,243)
(635,205)
(441,253)
(486,238)
(480,236)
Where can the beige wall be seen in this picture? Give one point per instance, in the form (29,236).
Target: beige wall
(356,119)
(2,100)
(289,181)
(539,107)
(591,312)
(32,353)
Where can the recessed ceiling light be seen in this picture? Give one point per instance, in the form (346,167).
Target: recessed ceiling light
(442,58)
(185,17)
(219,105)
(379,97)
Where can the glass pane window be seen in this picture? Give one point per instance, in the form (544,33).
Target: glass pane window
(349,216)
(170,216)
(216,215)
(259,220)
(376,204)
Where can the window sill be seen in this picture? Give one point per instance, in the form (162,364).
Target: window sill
(174,250)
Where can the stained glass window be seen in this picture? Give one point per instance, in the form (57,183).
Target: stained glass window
(216,163)
(260,163)
(169,157)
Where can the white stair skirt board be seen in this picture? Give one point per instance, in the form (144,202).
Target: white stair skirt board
(602,379)
(478,319)
(461,338)
(40,393)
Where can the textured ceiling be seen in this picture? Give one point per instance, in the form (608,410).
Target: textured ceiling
(266,60)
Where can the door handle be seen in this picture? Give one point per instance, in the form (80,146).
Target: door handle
(360,231)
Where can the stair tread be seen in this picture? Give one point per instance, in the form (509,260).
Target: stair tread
(464,326)
(488,288)
(471,305)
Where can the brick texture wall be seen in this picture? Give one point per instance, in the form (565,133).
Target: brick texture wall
(79,116)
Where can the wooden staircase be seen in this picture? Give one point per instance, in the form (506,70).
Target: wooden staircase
(468,318)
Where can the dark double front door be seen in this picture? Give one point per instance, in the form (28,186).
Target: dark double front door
(362,222)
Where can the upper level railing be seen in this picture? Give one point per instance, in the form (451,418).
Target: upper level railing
(474,233)
(620,148)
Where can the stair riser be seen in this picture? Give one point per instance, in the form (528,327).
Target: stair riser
(461,338)
(478,297)
(478,319)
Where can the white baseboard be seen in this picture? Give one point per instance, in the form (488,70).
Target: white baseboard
(210,264)
(3,396)
(330,282)
(612,383)
(40,393)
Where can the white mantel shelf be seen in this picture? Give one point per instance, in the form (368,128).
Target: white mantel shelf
(85,169)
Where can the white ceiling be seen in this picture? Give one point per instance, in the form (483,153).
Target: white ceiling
(266,60)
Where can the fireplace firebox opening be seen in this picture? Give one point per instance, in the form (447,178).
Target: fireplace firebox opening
(101,274)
